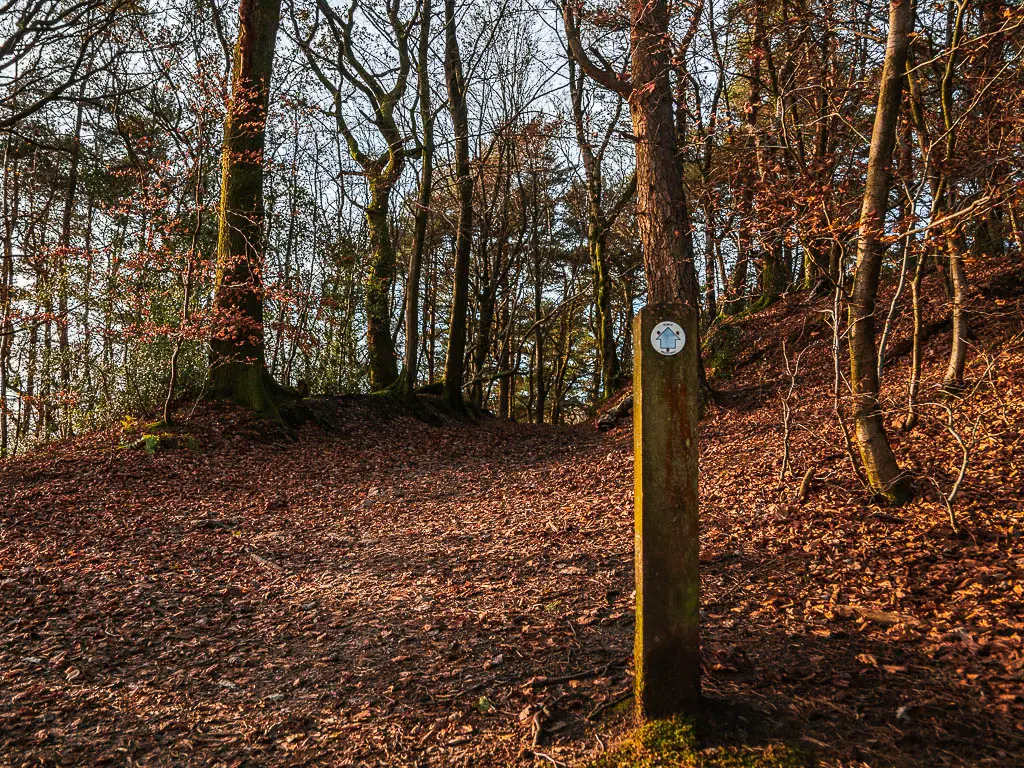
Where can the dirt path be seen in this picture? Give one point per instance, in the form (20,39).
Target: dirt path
(384,597)
(404,595)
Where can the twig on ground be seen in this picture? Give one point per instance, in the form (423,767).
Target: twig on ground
(967,446)
(792,370)
(550,759)
(538,682)
(805,485)
(605,705)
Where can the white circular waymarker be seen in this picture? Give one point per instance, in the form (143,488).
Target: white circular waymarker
(668,338)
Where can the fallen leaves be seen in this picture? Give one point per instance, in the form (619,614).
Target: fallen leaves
(247,602)
(884,618)
(396,594)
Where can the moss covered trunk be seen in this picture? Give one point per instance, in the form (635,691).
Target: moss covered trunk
(380,280)
(406,383)
(238,369)
(611,367)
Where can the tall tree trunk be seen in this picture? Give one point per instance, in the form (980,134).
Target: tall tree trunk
(380,279)
(883,473)
(382,171)
(628,295)
(954,377)
(64,267)
(774,276)
(31,406)
(9,212)
(410,363)
(914,386)
(238,369)
(598,224)
(289,250)
(564,347)
(662,214)
(746,235)
(186,280)
(454,366)
(953,380)
(539,388)
(490,271)
(990,238)
(430,326)
(611,367)
(482,347)
(710,294)
(737,297)
(505,353)
(660,196)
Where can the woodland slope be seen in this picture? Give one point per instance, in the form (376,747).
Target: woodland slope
(390,593)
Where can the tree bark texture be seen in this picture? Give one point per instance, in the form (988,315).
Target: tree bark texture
(454,366)
(237,360)
(879,462)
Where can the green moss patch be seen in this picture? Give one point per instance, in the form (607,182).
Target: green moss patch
(154,437)
(673,744)
(720,347)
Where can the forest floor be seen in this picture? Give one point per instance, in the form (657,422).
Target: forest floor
(389,593)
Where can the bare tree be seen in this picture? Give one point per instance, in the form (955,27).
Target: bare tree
(407,379)
(454,366)
(50,48)
(600,219)
(879,462)
(369,76)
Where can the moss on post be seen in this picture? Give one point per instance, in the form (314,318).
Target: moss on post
(665,413)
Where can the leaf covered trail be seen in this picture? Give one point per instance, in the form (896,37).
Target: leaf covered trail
(379,596)
(388,593)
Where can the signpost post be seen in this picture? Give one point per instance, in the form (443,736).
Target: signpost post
(665,392)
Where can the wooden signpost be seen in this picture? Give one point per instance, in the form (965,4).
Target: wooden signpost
(665,392)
